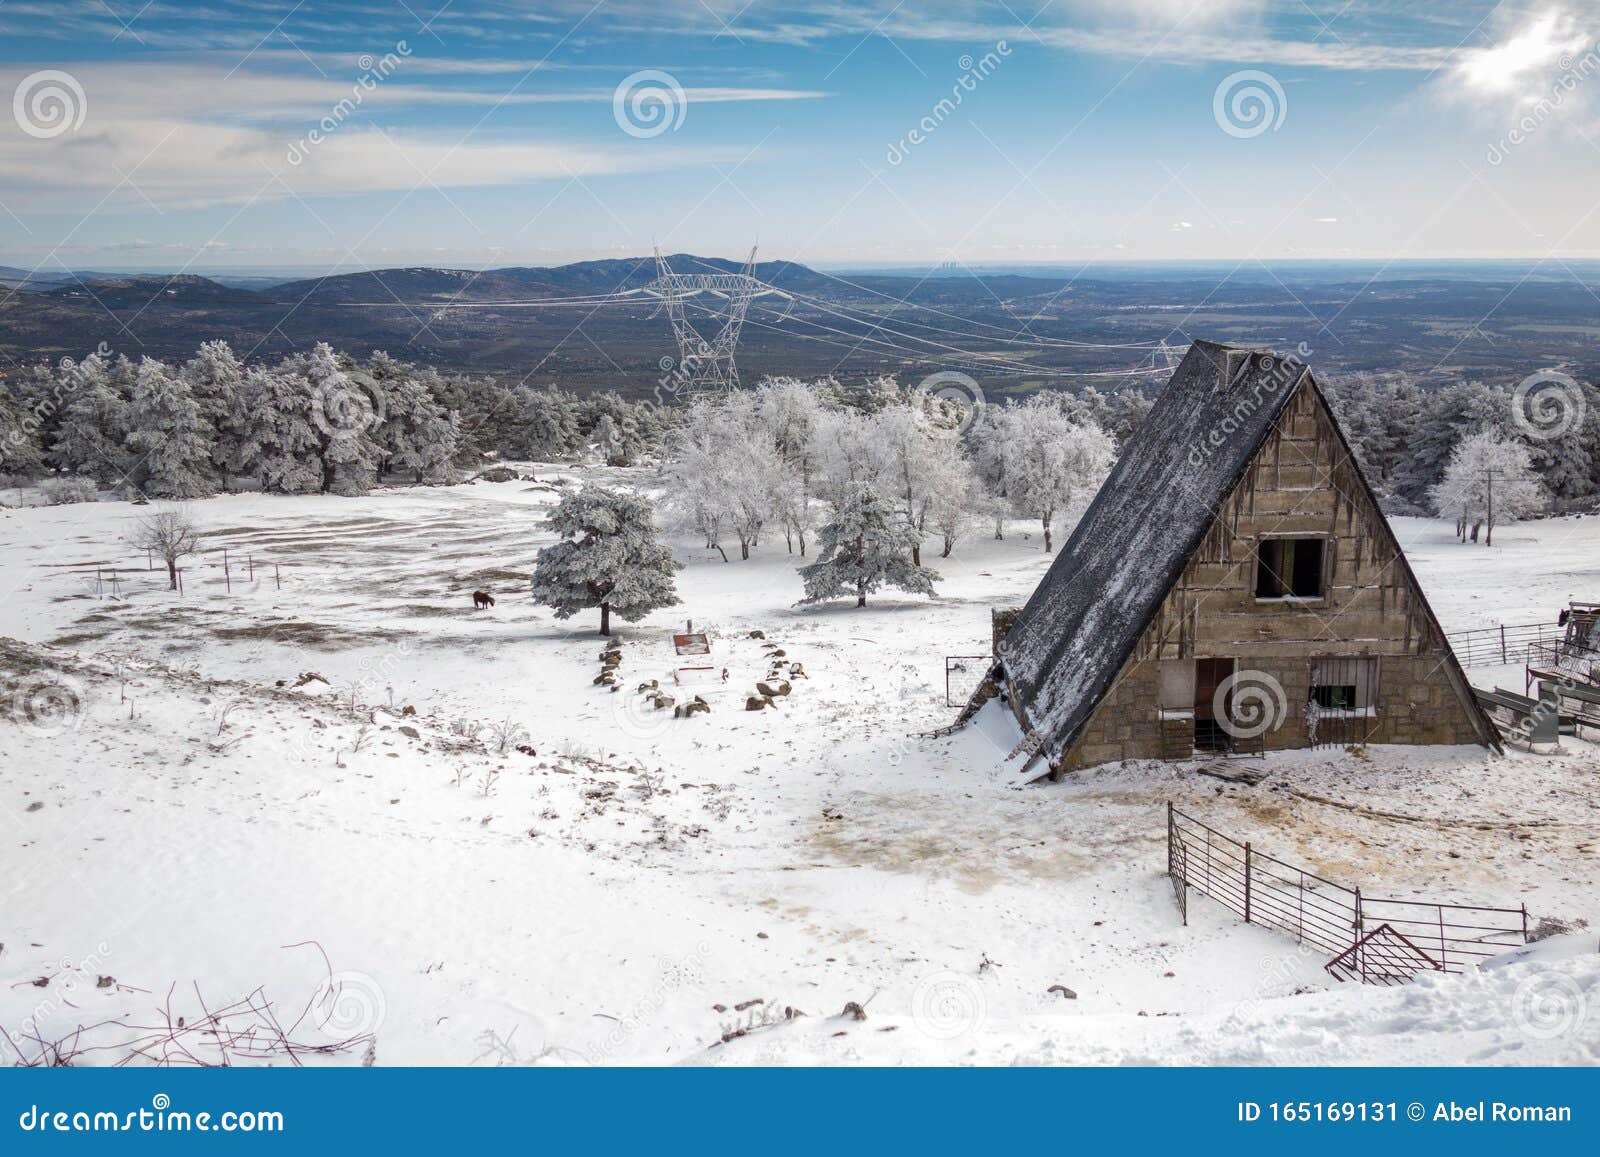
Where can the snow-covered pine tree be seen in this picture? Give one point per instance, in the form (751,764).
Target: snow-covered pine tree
(609,557)
(168,441)
(416,434)
(1488,481)
(865,544)
(89,439)
(548,426)
(279,439)
(215,379)
(20,455)
(345,410)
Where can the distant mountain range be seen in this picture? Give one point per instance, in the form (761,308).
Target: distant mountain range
(1017,327)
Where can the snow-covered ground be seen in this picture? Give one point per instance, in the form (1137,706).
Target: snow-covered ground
(199,828)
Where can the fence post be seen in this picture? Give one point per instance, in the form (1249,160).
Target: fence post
(1443,966)
(1247,874)
(1170,861)
(1361,953)
(1503,658)
(1524,923)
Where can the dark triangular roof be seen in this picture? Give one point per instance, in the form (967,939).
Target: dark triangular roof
(1075,634)
(1094,602)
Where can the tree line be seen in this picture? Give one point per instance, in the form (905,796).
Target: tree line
(314,422)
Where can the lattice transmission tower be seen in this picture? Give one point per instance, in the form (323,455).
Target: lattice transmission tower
(707,362)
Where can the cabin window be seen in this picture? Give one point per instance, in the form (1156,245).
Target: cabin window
(1177,686)
(1344,686)
(1290,568)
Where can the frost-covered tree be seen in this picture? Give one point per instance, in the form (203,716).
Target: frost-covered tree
(169,535)
(20,454)
(168,442)
(279,440)
(865,544)
(416,434)
(345,411)
(548,425)
(791,411)
(94,423)
(1057,464)
(1489,480)
(215,380)
(609,557)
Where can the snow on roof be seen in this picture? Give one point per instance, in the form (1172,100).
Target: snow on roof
(1089,610)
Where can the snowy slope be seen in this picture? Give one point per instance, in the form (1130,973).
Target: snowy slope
(597,900)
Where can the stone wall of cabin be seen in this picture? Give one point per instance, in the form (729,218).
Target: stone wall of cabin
(1300,482)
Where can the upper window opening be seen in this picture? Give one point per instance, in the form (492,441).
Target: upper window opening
(1289,568)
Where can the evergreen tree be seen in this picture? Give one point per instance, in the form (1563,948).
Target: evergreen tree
(865,545)
(90,437)
(216,380)
(167,440)
(609,557)
(345,410)
(279,439)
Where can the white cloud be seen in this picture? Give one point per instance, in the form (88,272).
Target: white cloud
(1526,61)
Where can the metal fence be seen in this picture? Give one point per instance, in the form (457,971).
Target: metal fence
(963,675)
(1373,940)
(1498,646)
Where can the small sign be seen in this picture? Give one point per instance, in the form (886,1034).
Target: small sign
(691,644)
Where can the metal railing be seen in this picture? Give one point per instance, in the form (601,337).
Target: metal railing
(1416,935)
(1498,646)
(963,675)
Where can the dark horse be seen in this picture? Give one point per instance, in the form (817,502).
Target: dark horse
(481,599)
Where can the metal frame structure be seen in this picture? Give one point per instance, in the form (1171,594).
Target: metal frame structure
(707,363)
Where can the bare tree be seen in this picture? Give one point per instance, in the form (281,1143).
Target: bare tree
(170,536)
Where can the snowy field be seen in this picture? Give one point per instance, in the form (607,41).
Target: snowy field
(200,829)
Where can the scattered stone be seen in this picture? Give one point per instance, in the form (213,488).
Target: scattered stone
(758,634)
(36,805)
(410,732)
(1063,990)
(854,1011)
(104,981)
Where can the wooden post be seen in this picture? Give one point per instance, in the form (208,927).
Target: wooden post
(1247,881)
(1503,658)
(1361,953)
(1524,923)
(227,577)
(1442,967)
(277,575)
(252,560)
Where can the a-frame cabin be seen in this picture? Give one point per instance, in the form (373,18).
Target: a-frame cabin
(1233,585)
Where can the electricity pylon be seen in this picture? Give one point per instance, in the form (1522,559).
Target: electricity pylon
(707,363)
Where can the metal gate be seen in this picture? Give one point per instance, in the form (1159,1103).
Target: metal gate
(1342,702)
(963,675)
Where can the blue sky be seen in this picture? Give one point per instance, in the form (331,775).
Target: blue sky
(381,132)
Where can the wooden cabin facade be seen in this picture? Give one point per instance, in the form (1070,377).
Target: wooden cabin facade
(1262,600)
